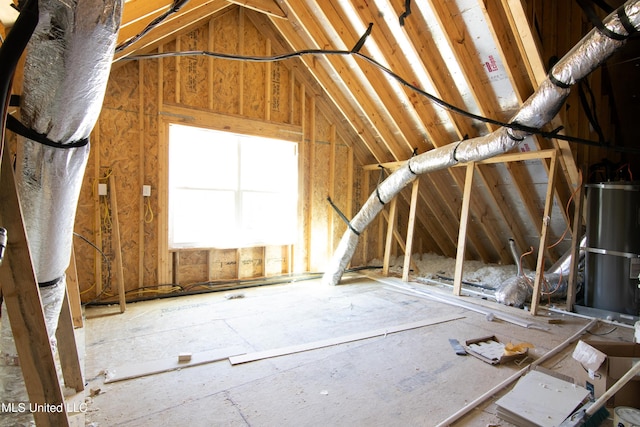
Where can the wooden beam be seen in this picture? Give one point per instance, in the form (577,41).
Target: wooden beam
(116,243)
(410,229)
(391,225)
(503,158)
(230,123)
(24,307)
(141,175)
(546,219)
(73,291)
(300,37)
(331,184)
(67,348)
(136,10)
(97,206)
(576,237)
(462,236)
(268,7)
(191,16)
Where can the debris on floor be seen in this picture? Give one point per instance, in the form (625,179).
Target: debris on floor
(540,399)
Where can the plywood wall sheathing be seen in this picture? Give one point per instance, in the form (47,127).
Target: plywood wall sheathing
(130,140)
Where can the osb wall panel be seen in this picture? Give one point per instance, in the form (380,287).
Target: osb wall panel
(280,93)
(250,262)
(320,170)
(223,264)
(226,74)
(275,260)
(254,99)
(169,67)
(126,143)
(193,82)
(192,266)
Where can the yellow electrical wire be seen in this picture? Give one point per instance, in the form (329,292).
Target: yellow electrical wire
(148,212)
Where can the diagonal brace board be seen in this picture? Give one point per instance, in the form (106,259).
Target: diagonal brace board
(24,307)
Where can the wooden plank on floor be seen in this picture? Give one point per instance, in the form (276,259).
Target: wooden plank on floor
(298,348)
(144,369)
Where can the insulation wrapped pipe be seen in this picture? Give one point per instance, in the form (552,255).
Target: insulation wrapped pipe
(537,111)
(66,71)
(67,66)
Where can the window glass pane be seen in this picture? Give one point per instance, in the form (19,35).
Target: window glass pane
(268,217)
(199,217)
(201,158)
(268,165)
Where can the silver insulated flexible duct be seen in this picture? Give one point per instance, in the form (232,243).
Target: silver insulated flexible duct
(537,111)
(67,66)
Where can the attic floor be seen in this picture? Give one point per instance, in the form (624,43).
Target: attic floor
(412,377)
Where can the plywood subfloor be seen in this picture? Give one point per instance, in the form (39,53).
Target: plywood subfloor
(410,377)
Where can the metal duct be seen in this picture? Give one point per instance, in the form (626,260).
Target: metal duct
(65,76)
(516,257)
(67,66)
(517,290)
(538,110)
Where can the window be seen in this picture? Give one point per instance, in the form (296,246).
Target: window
(228,190)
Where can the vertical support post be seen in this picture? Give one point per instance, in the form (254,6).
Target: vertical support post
(391,223)
(546,217)
(116,241)
(365,235)
(73,291)
(176,266)
(576,232)
(332,185)
(97,208)
(410,228)
(462,233)
(141,176)
(24,307)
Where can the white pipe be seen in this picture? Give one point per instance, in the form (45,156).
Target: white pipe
(537,111)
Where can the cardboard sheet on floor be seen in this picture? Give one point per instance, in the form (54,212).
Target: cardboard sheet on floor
(259,355)
(143,369)
(540,399)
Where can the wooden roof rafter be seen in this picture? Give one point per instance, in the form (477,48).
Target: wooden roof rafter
(191,16)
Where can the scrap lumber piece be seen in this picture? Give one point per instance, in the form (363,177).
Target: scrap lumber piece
(298,348)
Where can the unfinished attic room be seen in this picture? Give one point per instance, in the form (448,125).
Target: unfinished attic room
(320,213)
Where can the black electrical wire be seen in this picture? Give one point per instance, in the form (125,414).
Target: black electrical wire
(226,285)
(175,7)
(106,260)
(589,107)
(554,134)
(10,53)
